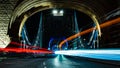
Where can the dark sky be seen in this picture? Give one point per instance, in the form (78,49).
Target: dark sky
(55,26)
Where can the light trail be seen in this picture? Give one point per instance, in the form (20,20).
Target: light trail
(108,54)
(105,24)
(28,49)
(21,50)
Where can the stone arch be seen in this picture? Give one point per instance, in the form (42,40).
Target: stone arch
(27,8)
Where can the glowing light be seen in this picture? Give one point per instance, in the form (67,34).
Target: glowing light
(53,44)
(29,49)
(54,11)
(21,50)
(98,54)
(57,12)
(61,12)
(105,24)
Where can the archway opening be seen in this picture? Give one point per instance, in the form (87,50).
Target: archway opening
(40,27)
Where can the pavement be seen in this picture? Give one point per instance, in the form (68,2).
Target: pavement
(60,61)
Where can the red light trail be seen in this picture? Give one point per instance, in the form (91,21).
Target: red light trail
(21,50)
(28,49)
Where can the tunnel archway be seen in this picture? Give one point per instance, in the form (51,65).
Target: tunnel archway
(28,8)
(44,25)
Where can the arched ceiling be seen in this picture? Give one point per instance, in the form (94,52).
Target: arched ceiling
(101,7)
(95,9)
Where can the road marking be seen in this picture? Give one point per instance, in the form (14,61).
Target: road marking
(45,67)
(44,63)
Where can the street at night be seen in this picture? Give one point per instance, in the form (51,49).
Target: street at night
(59,33)
(59,61)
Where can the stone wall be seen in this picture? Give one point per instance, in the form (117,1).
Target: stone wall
(6,9)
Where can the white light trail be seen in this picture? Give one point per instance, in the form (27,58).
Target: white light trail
(98,54)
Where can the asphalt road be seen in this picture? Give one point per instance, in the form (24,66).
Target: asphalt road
(55,62)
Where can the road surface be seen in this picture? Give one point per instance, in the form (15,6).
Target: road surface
(59,61)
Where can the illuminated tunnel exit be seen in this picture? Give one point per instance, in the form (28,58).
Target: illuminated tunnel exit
(59,23)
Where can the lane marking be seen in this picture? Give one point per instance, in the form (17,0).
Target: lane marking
(44,63)
(45,67)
